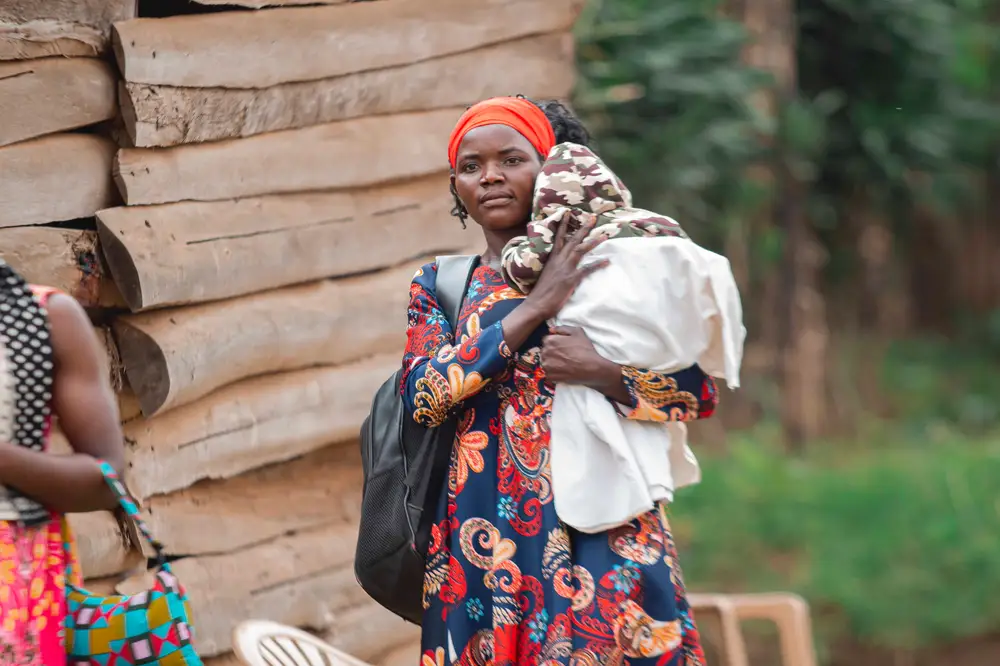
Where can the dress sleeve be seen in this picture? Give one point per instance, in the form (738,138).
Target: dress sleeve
(438,373)
(679,396)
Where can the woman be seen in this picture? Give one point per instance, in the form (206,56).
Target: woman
(50,363)
(506,583)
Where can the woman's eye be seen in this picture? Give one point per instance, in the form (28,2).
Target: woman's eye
(514,161)
(469,167)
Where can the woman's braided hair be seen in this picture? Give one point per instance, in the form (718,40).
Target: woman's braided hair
(565,124)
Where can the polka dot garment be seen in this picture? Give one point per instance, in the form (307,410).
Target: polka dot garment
(27,383)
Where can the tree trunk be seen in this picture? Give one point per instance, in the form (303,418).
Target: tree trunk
(798,335)
(804,335)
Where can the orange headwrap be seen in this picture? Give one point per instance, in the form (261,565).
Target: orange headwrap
(514,112)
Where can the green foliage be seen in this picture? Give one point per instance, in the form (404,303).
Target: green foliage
(896,546)
(897,102)
(936,386)
(664,93)
(913,85)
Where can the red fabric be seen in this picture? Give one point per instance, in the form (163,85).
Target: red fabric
(514,112)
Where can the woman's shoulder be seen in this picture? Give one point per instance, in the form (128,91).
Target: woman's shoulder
(485,278)
(427,270)
(43,292)
(425,277)
(67,319)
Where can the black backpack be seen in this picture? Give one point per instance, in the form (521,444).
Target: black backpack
(405,466)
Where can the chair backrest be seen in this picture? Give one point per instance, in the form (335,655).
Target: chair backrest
(266,643)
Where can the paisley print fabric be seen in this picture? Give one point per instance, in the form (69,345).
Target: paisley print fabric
(506,583)
(576,187)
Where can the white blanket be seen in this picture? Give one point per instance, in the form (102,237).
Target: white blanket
(662,304)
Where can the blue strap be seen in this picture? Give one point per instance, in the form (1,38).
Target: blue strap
(131,509)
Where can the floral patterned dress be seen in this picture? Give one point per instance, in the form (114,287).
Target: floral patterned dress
(506,582)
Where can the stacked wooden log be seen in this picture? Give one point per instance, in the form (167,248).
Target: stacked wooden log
(57,95)
(282,175)
(55,162)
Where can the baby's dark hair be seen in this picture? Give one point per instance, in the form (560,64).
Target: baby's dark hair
(565,124)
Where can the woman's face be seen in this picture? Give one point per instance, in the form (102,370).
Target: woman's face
(495,175)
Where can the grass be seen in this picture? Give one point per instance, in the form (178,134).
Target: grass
(943,386)
(893,537)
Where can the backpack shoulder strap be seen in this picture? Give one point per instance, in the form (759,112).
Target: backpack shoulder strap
(453,275)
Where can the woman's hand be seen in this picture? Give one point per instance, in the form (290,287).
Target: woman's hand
(559,279)
(563,272)
(569,357)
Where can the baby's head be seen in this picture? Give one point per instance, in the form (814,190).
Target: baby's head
(574,177)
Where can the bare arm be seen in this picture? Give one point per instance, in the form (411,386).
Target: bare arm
(609,379)
(88,415)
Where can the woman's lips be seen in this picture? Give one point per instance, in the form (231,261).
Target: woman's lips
(495,200)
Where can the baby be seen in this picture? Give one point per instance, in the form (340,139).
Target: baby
(574,187)
(662,303)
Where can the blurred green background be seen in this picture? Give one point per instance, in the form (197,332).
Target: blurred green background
(845,156)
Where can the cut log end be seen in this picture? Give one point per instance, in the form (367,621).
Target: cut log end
(145,367)
(127,113)
(116,174)
(118,49)
(122,268)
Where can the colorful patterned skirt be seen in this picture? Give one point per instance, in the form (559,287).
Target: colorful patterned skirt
(561,598)
(32,594)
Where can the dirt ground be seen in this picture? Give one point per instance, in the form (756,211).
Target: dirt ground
(763,651)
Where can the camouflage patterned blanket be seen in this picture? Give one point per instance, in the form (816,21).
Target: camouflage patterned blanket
(574,187)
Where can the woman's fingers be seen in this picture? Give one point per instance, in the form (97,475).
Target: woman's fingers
(577,246)
(592,267)
(560,236)
(571,241)
(567,331)
(583,248)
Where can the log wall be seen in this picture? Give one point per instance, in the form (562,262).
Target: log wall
(240,198)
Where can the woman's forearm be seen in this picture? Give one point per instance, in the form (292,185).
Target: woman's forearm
(520,324)
(64,483)
(608,379)
(433,385)
(468,368)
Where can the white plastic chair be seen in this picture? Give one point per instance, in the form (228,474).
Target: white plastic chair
(266,643)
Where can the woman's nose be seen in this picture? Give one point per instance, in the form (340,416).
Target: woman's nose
(491,174)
